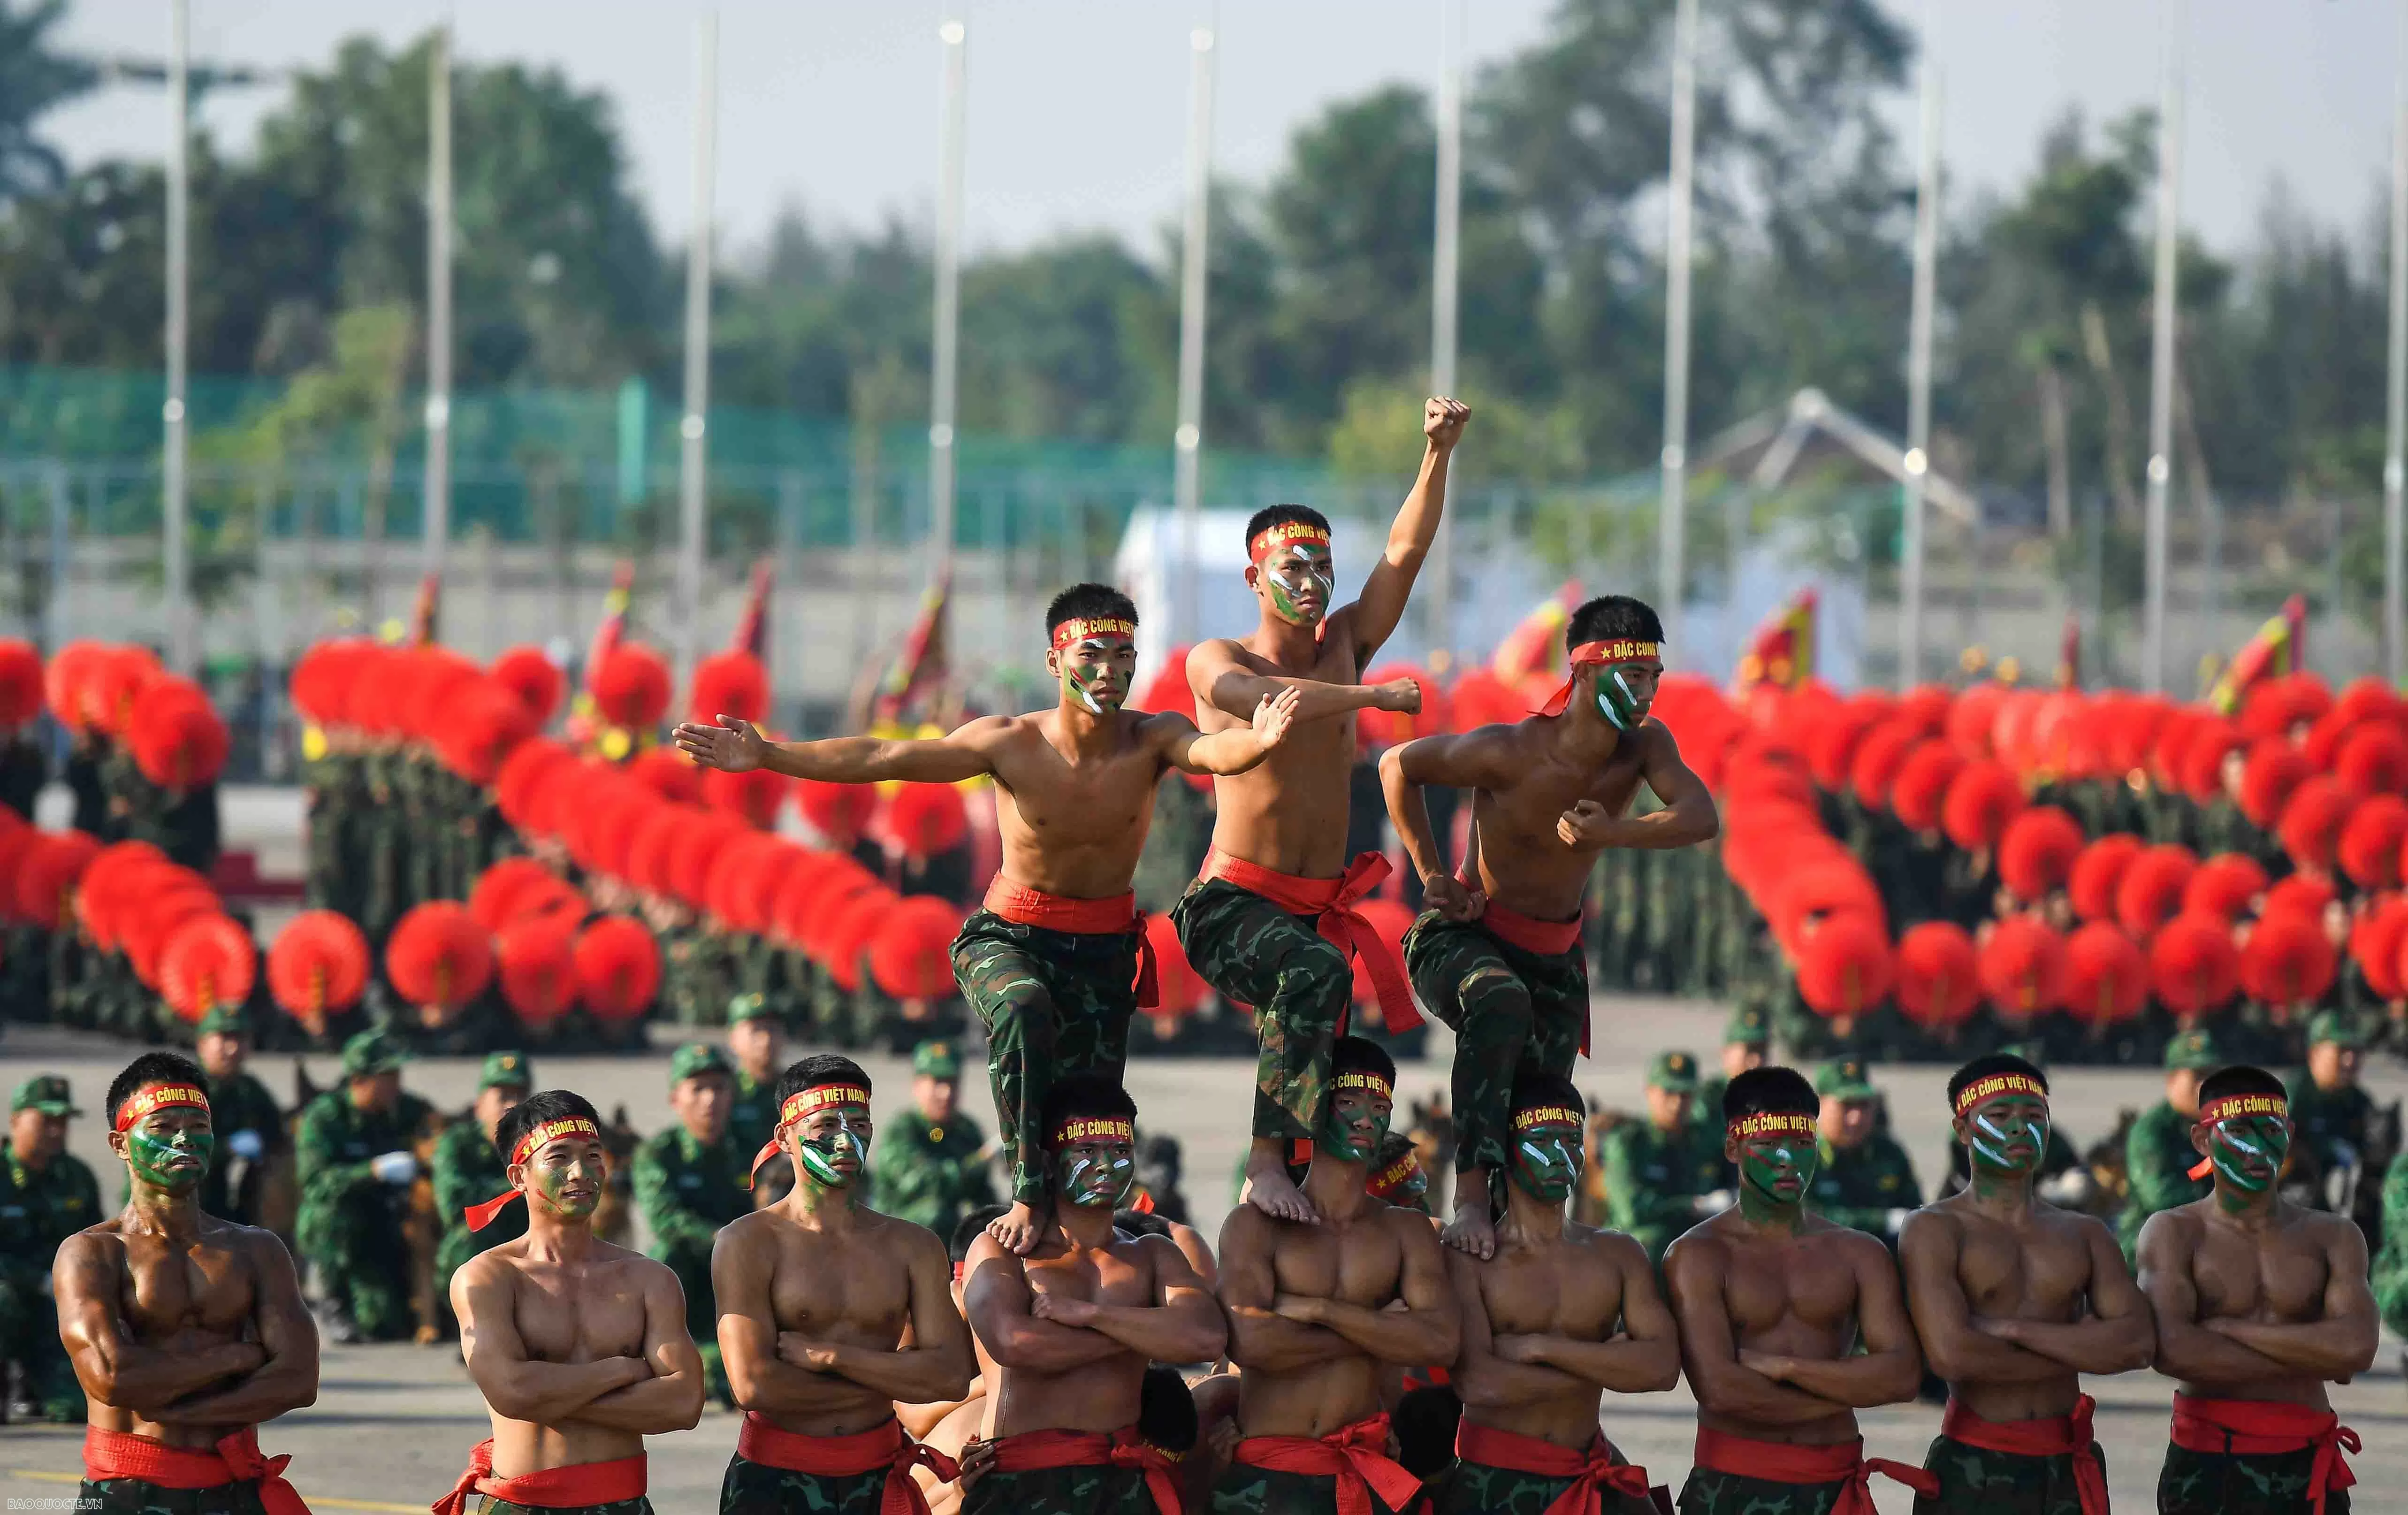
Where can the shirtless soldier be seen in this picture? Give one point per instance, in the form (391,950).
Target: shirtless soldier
(814,1293)
(1499,958)
(1319,1312)
(2259,1304)
(1066,1333)
(1270,920)
(1051,962)
(1770,1301)
(579,1347)
(2014,1299)
(186,1331)
(1539,1338)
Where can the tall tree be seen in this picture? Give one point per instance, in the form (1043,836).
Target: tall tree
(35,79)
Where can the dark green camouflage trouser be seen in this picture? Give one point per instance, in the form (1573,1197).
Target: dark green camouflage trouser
(2226,1483)
(1053,1003)
(1974,1480)
(133,1497)
(1102,1490)
(616,1507)
(756,1489)
(1478,1489)
(1708,1492)
(1298,983)
(1513,1013)
(1257,1490)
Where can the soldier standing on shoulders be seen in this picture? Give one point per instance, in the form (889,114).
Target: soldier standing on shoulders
(933,1167)
(249,1124)
(46,1195)
(1867,1182)
(2157,1152)
(691,1180)
(1663,1174)
(356,1166)
(468,1169)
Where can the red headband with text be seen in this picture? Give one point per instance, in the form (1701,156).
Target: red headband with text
(160,1097)
(1077,1128)
(801,1103)
(1271,538)
(2237,1108)
(1395,1175)
(1766,1124)
(1598,655)
(1078,628)
(1995,1084)
(1545,1115)
(531,1141)
(1372,1081)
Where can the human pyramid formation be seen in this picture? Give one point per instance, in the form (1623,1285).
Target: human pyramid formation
(854,1356)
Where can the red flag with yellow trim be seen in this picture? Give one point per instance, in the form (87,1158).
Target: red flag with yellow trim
(1781,650)
(583,728)
(921,670)
(1535,648)
(2278,647)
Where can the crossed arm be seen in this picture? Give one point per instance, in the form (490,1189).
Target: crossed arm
(671,1398)
(2116,1336)
(936,1365)
(167,1382)
(1217,677)
(2338,1347)
(288,1379)
(1789,1391)
(1495,1372)
(521,1388)
(1185,1326)
(1273,1331)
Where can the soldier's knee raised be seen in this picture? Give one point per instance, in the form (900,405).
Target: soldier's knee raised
(1317,978)
(1493,998)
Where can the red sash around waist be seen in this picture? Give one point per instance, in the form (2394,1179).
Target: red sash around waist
(551,1488)
(2059,1435)
(1592,1472)
(1024,906)
(1034,1451)
(1356,1455)
(849,1457)
(1842,1461)
(236,1459)
(1545,938)
(1333,901)
(2260,1427)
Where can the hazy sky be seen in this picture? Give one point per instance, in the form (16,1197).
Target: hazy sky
(1078,107)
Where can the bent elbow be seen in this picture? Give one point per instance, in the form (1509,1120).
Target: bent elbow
(688,1409)
(1666,1374)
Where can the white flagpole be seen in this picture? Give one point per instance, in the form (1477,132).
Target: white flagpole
(1187,441)
(2161,349)
(694,428)
(2395,470)
(945,350)
(1918,372)
(436,509)
(175,563)
(1447,258)
(1670,545)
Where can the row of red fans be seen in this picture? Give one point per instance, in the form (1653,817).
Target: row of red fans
(175,736)
(128,896)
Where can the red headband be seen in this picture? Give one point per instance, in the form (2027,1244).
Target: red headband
(1597,654)
(1768,1124)
(1394,1176)
(159,1097)
(1078,628)
(801,1103)
(1094,1128)
(1372,1081)
(1545,1115)
(1272,538)
(1995,1084)
(2237,1106)
(533,1140)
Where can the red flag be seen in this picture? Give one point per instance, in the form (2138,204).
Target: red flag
(2278,647)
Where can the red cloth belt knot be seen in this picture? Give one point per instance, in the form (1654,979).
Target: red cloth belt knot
(2057,1436)
(1592,1472)
(1034,1451)
(550,1487)
(1357,1457)
(1024,906)
(236,1459)
(849,1457)
(2262,1428)
(1333,901)
(1842,1461)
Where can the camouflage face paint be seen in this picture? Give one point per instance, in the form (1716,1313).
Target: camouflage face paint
(2008,1135)
(2241,1146)
(847,1139)
(1089,651)
(552,1180)
(1355,1120)
(1095,1175)
(1778,1157)
(1621,709)
(1295,573)
(174,1160)
(1546,1163)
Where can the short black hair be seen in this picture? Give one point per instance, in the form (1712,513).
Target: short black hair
(819,1068)
(1533,1089)
(970,1228)
(1425,1423)
(537,1108)
(1613,618)
(1988,1064)
(150,1068)
(1392,1146)
(1082,601)
(2240,1078)
(1166,1410)
(1770,1090)
(1360,1054)
(1272,515)
(1140,1223)
(1084,1094)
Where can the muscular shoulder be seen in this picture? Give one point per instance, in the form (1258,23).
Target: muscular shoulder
(2172,1234)
(1845,1241)
(2326,1228)
(754,1232)
(1605,1248)
(1935,1225)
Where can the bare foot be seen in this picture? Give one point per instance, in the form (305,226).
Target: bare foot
(1470,1230)
(1017,1228)
(1269,1189)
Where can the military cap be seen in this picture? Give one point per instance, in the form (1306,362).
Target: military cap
(2194,1049)
(1844,1078)
(46,1092)
(1675,1072)
(223,1020)
(937,1060)
(2335,1026)
(372,1052)
(749,1007)
(505,1069)
(1747,1027)
(698,1058)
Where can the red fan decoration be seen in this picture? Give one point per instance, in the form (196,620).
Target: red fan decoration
(617,968)
(2037,850)
(538,977)
(438,954)
(1982,800)
(2301,894)
(21,683)
(209,962)
(2022,967)
(177,737)
(1845,966)
(46,874)
(837,811)
(2373,759)
(318,965)
(2151,890)
(2106,974)
(731,682)
(2287,960)
(2193,965)
(482,724)
(2371,839)
(1921,787)
(2376,941)
(2312,820)
(927,820)
(631,687)
(1939,979)
(911,955)
(752,797)
(2268,776)
(530,673)
(2224,885)
(1878,758)
(493,899)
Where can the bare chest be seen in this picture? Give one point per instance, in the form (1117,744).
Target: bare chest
(821,1283)
(2036,1275)
(1550,1292)
(1101,1277)
(1051,799)
(1795,1281)
(2278,1276)
(579,1315)
(1359,1266)
(169,1288)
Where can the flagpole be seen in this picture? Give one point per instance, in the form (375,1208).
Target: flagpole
(175,564)
(1447,258)
(2394,469)
(1917,462)
(944,348)
(1187,440)
(436,507)
(1670,569)
(2161,349)
(693,429)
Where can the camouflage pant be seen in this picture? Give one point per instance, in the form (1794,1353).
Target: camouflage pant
(1053,1003)
(1478,1489)
(2226,1483)
(133,1497)
(29,1337)
(363,1259)
(1062,1490)
(1257,1490)
(1511,1012)
(1976,1481)
(616,1507)
(1300,985)
(1708,1492)
(757,1489)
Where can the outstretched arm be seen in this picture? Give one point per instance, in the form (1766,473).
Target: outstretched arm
(2342,1344)
(1217,678)
(288,1379)
(112,1367)
(1722,1383)
(2186,1350)
(1185,1327)
(1002,1310)
(1233,751)
(739,747)
(1644,1357)
(518,1387)
(937,1363)
(1425,1331)
(2116,1335)
(670,1399)
(1688,815)
(1372,618)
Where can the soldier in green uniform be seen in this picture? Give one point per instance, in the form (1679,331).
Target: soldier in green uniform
(46,1195)
(468,1170)
(753,1045)
(2157,1152)
(2390,1274)
(1664,1174)
(244,1114)
(1747,1042)
(354,1147)
(2333,1116)
(933,1168)
(1866,1181)
(690,1181)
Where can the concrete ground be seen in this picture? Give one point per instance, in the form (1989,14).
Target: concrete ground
(394,1423)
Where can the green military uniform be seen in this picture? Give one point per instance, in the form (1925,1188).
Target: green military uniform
(238,1103)
(2390,1274)
(1747,1027)
(1094,1489)
(1654,1177)
(38,1210)
(1869,1186)
(137,1496)
(686,1190)
(1514,1014)
(2158,1153)
(927,1174)
(752,1113)
(467,1171)
(2333,1124)
(1470,1488)
(350,1221)
(751,1488)
(2243,1483)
